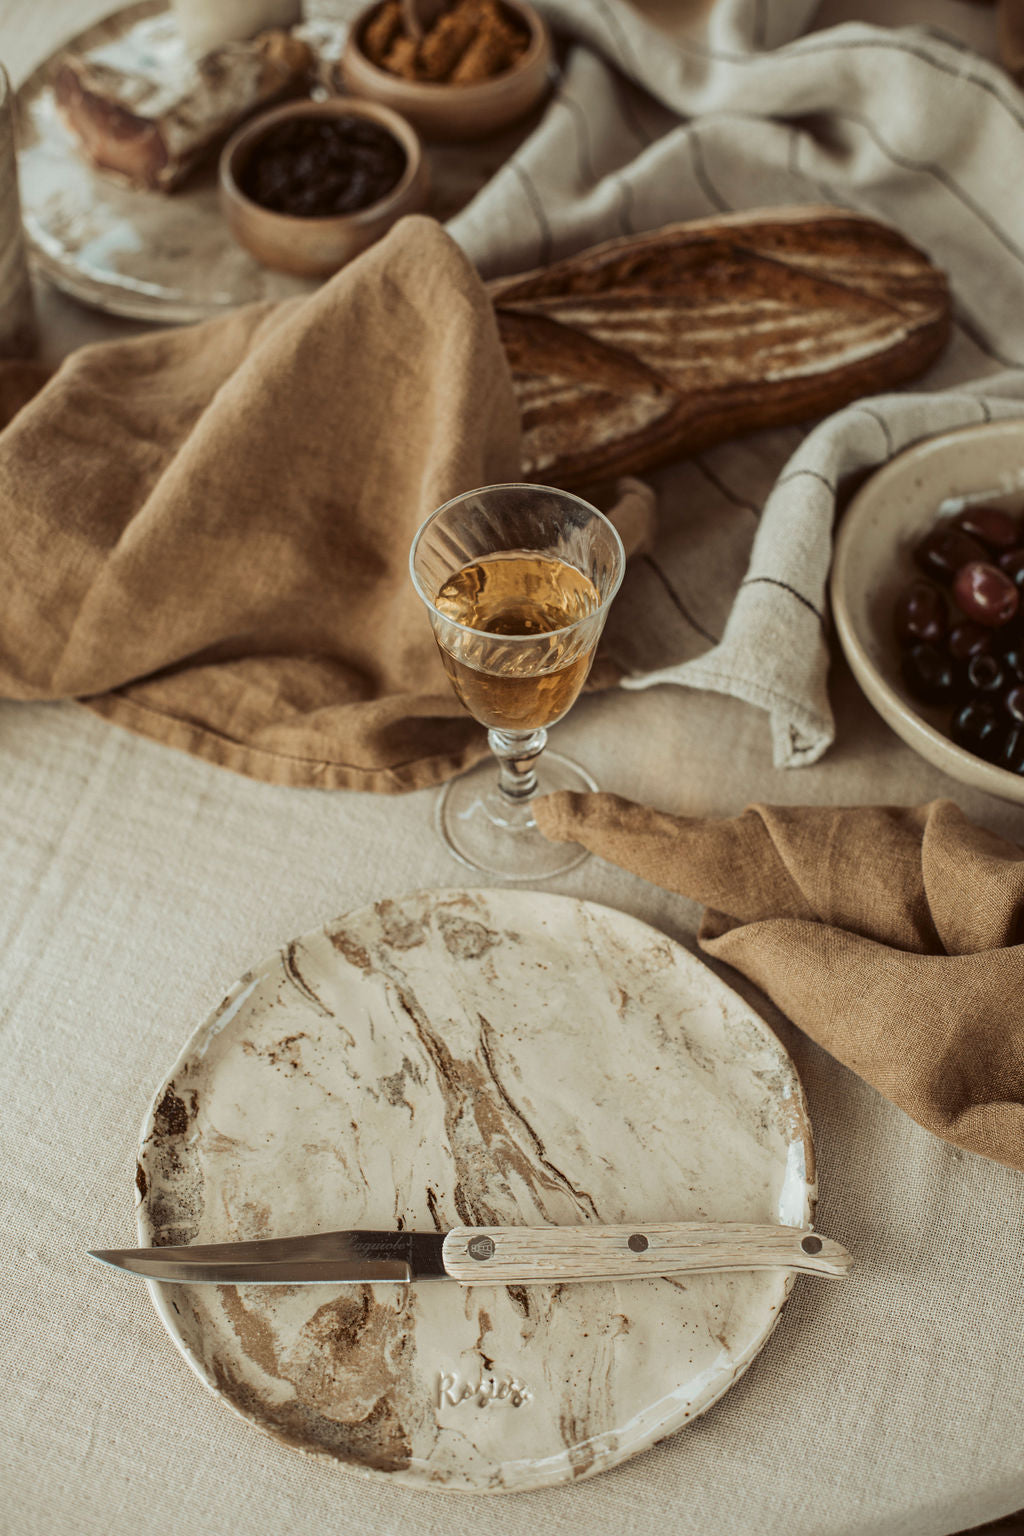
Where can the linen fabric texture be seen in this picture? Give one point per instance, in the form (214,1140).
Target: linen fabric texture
(139,883)
(891,936)
(209,528)
(746,107)
(269,469)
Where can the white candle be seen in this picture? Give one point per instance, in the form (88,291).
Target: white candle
(207,24)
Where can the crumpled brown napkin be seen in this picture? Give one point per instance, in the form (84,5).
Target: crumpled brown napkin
(893,937)
(207,530)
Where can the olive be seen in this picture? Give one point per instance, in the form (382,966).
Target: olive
(1013,658)
(968,659)
(920,613)
(978,728)
(1011,753)
(984,676)
(985,594)
(966,640)
(994,527)
(941,553)
(928,674)
(1012,562)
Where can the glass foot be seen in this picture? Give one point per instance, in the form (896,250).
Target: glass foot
(487,833)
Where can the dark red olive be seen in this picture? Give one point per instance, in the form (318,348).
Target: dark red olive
(1013,660)
(941,553)
(920,613)
(997,529)
(1012,562)
(985,675)
(978,728)
(1011,753)
(985,594)
(1009,641)
(968,660)
(928,674)
(966,640)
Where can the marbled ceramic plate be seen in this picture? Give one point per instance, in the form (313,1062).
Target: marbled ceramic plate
(482,1057)
(148,255)
(171,258)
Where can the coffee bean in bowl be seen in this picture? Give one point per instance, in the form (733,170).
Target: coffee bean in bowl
(306,187)
(927,590)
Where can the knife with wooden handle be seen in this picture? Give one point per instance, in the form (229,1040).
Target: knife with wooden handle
(491,1255)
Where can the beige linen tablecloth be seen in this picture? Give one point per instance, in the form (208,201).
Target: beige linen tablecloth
(138,883)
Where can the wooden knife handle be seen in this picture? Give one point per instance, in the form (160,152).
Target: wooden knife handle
(531,1255)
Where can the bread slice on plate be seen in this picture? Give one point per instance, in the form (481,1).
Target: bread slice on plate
(149,118)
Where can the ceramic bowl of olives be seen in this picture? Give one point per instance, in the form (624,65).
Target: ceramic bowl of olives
(927,591)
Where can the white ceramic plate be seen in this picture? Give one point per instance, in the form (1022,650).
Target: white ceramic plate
(487,1057)
(874,562)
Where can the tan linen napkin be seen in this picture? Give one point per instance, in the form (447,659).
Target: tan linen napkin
(893,937)
(206,530)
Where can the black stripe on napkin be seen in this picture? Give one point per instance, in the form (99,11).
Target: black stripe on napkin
(724,490)
(795,474)
(534,200)
(583,155)
(677,601)
(700,170)
(773,581)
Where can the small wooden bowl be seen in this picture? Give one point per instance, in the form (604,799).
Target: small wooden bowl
(454,112)
(317,247)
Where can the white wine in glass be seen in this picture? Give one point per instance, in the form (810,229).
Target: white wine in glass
(517,580)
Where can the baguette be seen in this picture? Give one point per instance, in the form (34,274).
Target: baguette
(659,346)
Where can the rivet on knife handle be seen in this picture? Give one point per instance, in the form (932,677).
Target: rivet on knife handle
(523,1255)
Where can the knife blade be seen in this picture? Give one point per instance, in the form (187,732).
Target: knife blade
(491,1255)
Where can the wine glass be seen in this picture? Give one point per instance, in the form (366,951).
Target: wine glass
(517,580)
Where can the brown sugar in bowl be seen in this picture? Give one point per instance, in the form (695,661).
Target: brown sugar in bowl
(444,110)
(310,246)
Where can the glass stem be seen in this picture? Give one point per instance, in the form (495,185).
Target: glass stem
(517,753)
